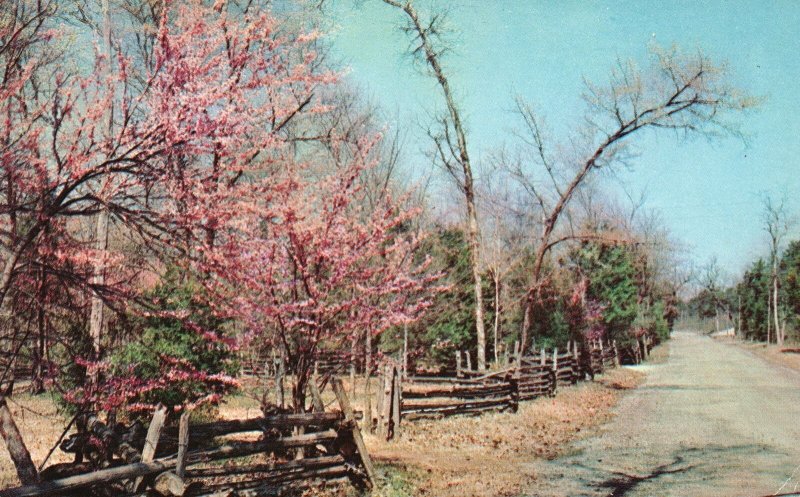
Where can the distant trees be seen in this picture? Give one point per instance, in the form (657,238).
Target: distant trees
(688,94)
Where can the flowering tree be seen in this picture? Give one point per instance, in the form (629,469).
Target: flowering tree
(193,145)
(318,268)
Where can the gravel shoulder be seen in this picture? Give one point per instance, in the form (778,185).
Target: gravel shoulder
(712,419)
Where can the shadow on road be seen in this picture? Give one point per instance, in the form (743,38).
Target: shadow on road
(700,461)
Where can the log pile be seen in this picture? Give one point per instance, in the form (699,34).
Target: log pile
(251,457)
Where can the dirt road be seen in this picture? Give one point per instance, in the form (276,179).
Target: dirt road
(712,420)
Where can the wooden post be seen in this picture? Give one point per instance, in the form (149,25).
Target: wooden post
(513,382)
(378,404)
(516,351)
(26,471)
(555,368)
(469,360)
(505,356)
(151,441)
(279,371)
(316,397)
(458,363)
(396,400)
(386,413)
(616,353)
(183,444)
(349,416)
(543,359)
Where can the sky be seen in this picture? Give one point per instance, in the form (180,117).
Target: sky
(708,192)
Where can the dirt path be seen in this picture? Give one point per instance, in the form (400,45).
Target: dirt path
(712,420)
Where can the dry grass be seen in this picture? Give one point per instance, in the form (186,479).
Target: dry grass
(771,353)
(493,454)
(41,425)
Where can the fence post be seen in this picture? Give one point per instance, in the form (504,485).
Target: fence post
(543,359)
(386,406)
(396,400)
(555,368)
(279,371)
(469,360)
(151,442)
(349,417)
(516,351)
(616,353)
(513,384)
(458,363)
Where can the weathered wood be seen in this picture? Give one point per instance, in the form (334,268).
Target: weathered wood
(313,462)
(169,484)
(26,471)
(316,396)
(183,443)
(396,402)
(469,360)
(386,403)
(458,363)
(279,374)
(230,450)
(456,404)
(151,442)
(543,360)
(347,410)
(291,420)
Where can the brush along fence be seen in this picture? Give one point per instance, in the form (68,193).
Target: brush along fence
(471,392)
(253,457)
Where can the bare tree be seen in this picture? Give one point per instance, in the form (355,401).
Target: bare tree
(685,94)
(777,224)
(450,140)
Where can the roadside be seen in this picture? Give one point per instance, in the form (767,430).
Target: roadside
(492,454)
(770,353)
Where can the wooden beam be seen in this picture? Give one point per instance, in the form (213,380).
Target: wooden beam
(151,442)
(183,443)
(347,410)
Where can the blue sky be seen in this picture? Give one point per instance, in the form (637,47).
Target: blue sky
(708,192)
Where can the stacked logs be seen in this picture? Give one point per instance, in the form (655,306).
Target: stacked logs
(290,451)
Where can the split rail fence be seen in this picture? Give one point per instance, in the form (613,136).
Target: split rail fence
(288,451)
(472,392)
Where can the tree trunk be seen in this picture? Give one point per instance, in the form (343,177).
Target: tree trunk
(769,313)
(778,329)
(367,380)
(26,471)
(497,316)
(458,148)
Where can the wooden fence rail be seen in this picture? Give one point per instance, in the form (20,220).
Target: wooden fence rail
(331,449)
(474,392)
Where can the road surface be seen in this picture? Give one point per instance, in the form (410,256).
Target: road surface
(712,420)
